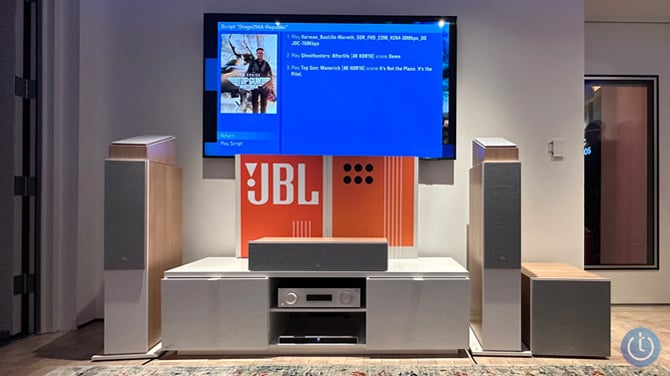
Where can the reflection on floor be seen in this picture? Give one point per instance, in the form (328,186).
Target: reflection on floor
(38,355)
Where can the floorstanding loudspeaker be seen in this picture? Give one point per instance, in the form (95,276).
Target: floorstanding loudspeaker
(143,215)
(494,244)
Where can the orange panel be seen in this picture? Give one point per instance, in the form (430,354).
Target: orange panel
(280,196)
(374,197)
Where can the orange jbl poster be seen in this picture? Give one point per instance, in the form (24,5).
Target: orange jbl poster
(374,197)
(279,196)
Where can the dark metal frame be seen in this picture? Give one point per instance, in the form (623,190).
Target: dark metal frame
(27,284)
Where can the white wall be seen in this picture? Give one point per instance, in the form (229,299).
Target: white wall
(60,115)
(520,66)
(639,49)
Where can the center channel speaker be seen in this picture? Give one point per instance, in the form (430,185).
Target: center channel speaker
(316,254)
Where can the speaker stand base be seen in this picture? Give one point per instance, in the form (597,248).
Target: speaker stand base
(153,353)
(477,350)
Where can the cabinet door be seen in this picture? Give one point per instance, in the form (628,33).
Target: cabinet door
(430,314)
(215,314)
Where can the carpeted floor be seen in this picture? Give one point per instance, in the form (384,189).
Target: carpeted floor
(604,370)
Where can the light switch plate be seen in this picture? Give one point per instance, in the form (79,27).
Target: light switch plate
(557,147)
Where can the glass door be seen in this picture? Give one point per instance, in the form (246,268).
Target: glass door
(621,173)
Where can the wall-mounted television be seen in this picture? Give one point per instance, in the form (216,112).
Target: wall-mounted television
(329,85)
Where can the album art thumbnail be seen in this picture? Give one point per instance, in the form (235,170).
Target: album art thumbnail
(249,73)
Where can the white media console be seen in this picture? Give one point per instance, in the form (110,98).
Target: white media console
(216,305)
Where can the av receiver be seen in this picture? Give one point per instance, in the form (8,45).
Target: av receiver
(319,297)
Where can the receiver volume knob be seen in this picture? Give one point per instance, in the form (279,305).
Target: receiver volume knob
(346,297)
(291,298)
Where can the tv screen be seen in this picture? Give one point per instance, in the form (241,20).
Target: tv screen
(329,85)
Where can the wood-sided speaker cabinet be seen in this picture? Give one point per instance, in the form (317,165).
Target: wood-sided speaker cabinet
(494,244)
(143,238)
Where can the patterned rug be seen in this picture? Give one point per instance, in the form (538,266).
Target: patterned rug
(601,370)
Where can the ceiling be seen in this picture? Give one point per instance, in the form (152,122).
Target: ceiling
(627,10)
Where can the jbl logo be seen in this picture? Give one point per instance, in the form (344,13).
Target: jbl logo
(283,184)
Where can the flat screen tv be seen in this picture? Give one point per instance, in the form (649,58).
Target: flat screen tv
(329,85)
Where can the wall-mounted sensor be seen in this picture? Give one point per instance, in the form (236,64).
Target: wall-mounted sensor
(557,148)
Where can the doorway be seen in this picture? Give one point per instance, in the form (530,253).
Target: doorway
(19,167)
